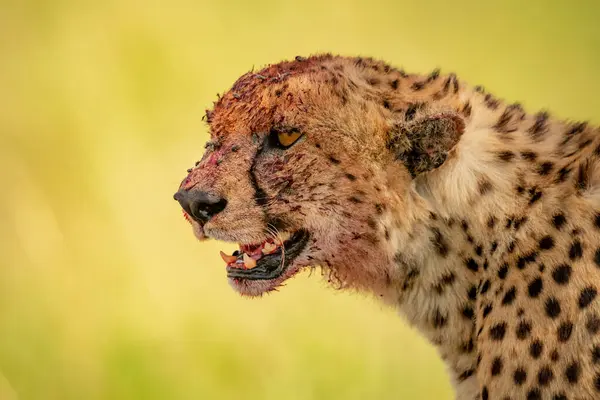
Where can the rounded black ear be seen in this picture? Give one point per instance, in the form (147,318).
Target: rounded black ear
(423,143)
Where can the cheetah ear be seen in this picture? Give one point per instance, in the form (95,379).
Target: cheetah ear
(423,143)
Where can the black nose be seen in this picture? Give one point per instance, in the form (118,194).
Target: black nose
(201,206)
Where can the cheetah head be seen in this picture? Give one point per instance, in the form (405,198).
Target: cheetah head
(301,171)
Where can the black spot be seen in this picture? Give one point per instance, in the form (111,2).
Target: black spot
(535,287)
(484,394)
(593,324)
(439,320)
(554,356)
(596,354)
(472,265)
(536,195)
(446,280)
(536,348)
(464,225)
(520,376)
(564,331)
(485,287)
(576,128)
(552,307)
(523,330)
(491,222)
(506,155)
(522,261)
(479,250)
(560,396)
(485,186)
(355,199)
(498,331)
(545,376)
(487,310)
(394,84)
(534,394)
(496,366)
(511,247)
(501,124)
(509,297)
(509,222)
(465,375)
(575,252)
(572,372)
(597,220)
(529,155)
(563,174)
(491,102)
(467,347)
(597,257)
(409,115)
(493,247)
(562,274)
(416,86)
(546,243)
(503,271)
(472,292)
(334,160)
(597,382)
(386,104)
(468,312)
(587,295)
(466,110)
(439,242)
(582,177)
(351,177)
(585,144)
(545,168)
(539,127)
(520,222)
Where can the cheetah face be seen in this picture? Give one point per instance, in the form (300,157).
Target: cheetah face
(299,172)
(291,197)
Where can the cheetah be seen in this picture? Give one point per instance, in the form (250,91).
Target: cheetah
(478,221)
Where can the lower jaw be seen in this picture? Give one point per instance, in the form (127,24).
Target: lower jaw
(258,287)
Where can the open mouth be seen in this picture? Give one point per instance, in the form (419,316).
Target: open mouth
(267,260)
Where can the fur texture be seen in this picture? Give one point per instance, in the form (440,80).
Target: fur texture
(478,221)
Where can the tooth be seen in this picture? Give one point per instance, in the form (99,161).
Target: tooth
(268,248)
(249,262)
(282,237)
(227,258)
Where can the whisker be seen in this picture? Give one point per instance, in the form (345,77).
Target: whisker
(276,235)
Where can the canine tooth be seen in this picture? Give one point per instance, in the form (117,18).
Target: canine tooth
(268,248)
(227,258)
(283,236)
(249,262)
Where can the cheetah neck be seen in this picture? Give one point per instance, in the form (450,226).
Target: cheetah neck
(470,213)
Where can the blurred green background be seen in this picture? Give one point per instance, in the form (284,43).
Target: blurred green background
(104,292)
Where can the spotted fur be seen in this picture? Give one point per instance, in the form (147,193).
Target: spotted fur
(478,221)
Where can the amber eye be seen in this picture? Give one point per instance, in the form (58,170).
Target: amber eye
(286,138)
